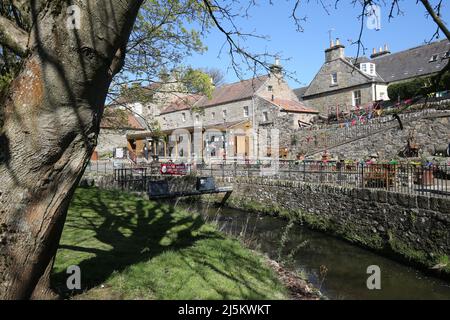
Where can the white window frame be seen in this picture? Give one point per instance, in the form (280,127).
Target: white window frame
(364,67)
(213,115)
(224,113)
(265,116)
(270,88)
(354,98)
(246,112)
(334,78)
(372,69)
(183,116)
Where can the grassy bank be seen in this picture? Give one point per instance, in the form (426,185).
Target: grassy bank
(130,248)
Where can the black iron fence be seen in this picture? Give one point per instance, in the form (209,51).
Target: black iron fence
(432,180)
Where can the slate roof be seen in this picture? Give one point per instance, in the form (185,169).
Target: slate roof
(292,106)
(234,92)
(299,92)
(413,62)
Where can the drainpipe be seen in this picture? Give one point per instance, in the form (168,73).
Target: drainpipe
(254,133)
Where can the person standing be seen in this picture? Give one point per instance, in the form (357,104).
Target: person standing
(145,152)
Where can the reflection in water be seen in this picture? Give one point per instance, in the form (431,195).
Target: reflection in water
(344,264)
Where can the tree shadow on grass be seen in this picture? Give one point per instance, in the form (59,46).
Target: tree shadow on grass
(115,230)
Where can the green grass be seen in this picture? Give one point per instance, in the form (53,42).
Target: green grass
(130,248)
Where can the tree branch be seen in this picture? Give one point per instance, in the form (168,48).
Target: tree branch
(436,17)
(13,37)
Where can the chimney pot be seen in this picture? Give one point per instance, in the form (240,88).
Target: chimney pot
(277,61)
(386,47)
(374,51)
(338,42)
(331,43)
(381,49)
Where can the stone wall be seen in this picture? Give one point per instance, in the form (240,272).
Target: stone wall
(413,227)
(380,135)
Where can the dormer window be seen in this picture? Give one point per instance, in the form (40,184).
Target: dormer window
(368,68)
(446,55)
(334,78)
(433,58)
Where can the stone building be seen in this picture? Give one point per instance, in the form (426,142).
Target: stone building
(226,125)
(116,124)
(343,83)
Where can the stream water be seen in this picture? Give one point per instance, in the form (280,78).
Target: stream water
(306,251)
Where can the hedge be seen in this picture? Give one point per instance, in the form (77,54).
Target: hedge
(418,87)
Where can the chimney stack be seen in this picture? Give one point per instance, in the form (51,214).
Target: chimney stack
(335,52)
(276,69)
(382,52)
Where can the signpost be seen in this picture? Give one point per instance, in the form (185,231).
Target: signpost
(174,169)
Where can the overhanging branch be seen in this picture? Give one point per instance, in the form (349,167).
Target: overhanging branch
(13,37)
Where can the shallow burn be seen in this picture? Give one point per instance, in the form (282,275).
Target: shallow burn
(308,252)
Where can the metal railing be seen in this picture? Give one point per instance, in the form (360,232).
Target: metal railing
(431,180)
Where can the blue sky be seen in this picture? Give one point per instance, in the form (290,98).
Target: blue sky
(306,49)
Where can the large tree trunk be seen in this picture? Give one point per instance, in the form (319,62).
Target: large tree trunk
(51,122)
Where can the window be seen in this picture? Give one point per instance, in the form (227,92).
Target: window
(446,55)
(433,58)
(246,111)
(357,98)
(368,68)
(213,115)
(372,68)
(183,117)
(334,78)
(270,88)
(197,118)
(265,116)
(224,113)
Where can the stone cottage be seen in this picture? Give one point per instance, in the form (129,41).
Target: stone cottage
(343,83)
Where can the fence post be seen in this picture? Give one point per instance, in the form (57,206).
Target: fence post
(304,171)
(362,175)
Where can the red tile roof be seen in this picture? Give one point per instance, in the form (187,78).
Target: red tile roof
(292,106)
(114,118)
(234,92)
(183,103)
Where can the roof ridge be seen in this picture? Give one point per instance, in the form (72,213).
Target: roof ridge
(411,49)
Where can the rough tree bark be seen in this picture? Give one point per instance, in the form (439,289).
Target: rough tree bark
(51,121)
